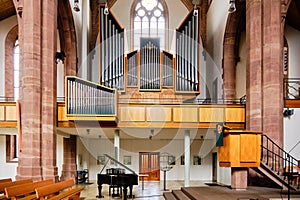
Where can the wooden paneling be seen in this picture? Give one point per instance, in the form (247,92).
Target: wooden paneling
(61,113)
(182,114)
(234,114)
(132,113)
(159,114)
(240,149)
(11,114)
(211,114)
(1,113)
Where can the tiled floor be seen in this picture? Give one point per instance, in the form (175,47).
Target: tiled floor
(154,191)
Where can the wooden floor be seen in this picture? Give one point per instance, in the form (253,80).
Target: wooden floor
(198,191)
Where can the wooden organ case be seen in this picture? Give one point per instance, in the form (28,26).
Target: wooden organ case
(150,69)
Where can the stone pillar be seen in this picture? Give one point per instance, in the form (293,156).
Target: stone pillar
(187,159)
(272,71)
(239,178)
(69,168)
(37,149)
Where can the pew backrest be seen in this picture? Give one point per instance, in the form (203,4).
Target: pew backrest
(25,189)
(5,180)
(52,189)
(13,183)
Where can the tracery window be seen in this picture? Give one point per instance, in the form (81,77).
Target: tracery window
(16,70)
(149,20)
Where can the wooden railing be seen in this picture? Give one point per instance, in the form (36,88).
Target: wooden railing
(87,98)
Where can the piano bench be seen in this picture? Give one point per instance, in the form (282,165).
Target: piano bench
(113,187)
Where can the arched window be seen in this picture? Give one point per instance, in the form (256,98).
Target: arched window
(16,70)
(149,19)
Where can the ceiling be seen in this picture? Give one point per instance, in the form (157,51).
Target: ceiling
(7,9)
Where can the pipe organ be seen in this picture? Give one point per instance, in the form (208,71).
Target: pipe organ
(187,50)
(132,69)
(111,51)
(150,65)
(84,97)
(167,69)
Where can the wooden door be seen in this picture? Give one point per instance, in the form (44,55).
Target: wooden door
(214,167)
(149,164)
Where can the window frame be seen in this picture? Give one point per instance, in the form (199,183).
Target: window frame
(132,16)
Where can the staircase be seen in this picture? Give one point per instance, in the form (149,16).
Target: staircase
(278,165)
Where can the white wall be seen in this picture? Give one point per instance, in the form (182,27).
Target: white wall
(5,26)
(291,133)
(90,149)
(59,153)
(293,38)
(216,22)
(8,170)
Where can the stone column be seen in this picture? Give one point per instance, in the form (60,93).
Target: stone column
(37,153)
(187,159)
(272,72)
(69,168)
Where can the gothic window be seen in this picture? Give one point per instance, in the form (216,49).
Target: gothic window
(149,20)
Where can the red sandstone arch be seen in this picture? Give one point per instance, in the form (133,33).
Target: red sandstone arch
(235,25)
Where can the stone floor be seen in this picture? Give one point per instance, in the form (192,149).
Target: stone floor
(154,191)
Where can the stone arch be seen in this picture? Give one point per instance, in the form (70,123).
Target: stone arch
(9,62)
(67,34)
(234,26)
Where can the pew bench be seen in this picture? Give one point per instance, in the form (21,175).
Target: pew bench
(10,184)
(5,180)
(25,191)
(60,190)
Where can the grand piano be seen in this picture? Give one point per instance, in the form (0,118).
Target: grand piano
(118,178)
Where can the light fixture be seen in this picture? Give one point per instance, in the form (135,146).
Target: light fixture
(60,56)
(76,6)
(151,134)
(195,13)
(106,11)
(232,7)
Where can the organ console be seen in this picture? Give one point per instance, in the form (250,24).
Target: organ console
(116,177)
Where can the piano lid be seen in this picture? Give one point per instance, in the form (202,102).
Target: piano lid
(121,164)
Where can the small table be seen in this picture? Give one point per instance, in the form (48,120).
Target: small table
(143,176)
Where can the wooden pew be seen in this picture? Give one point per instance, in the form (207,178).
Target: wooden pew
(60,190)
(13,183)
(27,191)
(5,180)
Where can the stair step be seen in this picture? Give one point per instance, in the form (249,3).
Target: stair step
(169,196)
(180,195)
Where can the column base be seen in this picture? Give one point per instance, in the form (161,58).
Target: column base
(239,178)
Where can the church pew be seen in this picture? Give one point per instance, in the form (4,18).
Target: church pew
(60,190)
(9,184)
(26,191)
(5,180)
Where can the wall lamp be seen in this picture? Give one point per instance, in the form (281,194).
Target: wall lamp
(288,112)
(195,13)
(232,7)
(106,11)
(76,6)
(60,56)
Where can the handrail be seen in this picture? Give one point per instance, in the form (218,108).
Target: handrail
(275,157)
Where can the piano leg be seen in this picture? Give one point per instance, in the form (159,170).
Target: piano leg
(99,192)
(125,192)
(130,192)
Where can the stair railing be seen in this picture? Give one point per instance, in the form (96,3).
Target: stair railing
(280,161)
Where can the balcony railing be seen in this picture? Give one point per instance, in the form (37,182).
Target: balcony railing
(87,98)
(291,88)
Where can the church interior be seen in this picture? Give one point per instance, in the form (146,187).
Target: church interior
(148,90)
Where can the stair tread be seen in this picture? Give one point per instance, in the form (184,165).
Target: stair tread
(179,194)
(169,196)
